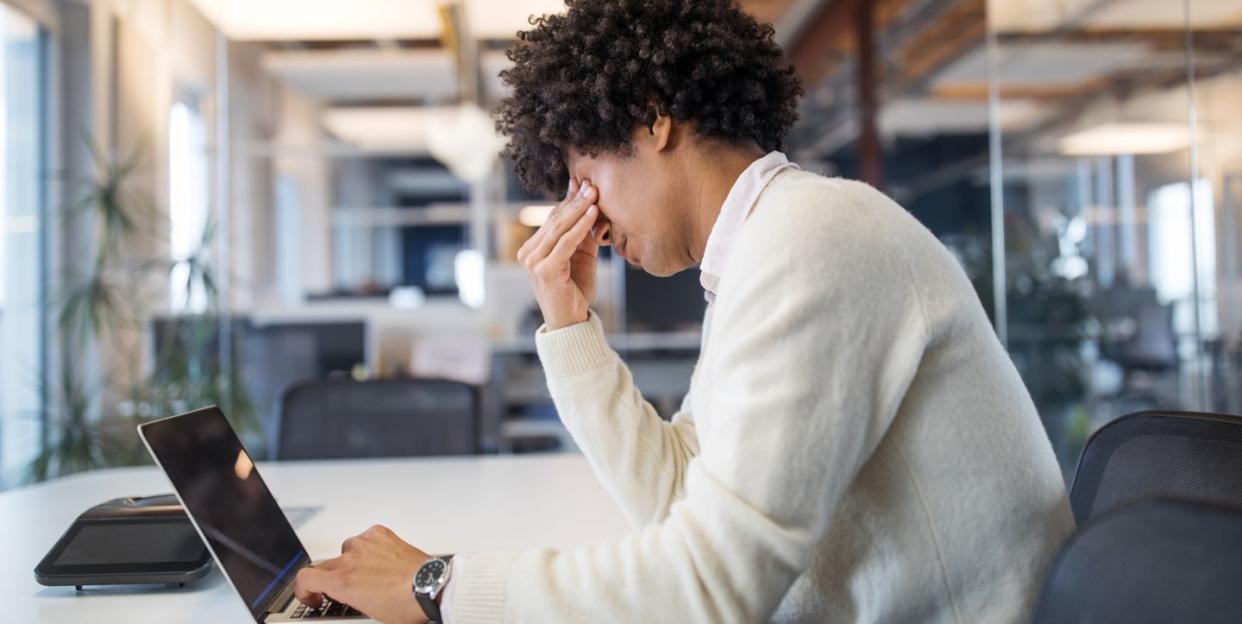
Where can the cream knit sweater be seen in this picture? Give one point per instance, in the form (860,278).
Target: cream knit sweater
(855,447)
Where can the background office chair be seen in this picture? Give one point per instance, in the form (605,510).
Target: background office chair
(336,419)
(1153,561)
(1157,454)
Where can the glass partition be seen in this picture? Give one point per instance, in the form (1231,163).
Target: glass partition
(1114,190)
(21,239)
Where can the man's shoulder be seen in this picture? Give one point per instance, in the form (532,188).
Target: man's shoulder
(830,225)
(803,208)
(802,190)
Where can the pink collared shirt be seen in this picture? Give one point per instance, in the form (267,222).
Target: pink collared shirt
(733,213)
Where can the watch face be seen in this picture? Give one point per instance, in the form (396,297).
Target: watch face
(429,575)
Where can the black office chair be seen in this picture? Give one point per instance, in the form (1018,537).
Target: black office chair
(337,419)
(1154,561)
(1157,454)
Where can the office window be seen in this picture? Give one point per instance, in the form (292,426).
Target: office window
(1174,257)
(288,239)
(187,203)
(21,241)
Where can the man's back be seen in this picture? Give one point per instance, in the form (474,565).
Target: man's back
(957,504)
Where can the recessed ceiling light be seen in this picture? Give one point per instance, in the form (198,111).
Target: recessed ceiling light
(395,128)
(1126,138)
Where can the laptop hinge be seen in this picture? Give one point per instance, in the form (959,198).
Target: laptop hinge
(282,599)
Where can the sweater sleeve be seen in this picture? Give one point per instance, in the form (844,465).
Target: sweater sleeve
(640,459)
(811,355)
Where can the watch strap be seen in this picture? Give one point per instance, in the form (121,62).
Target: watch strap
(430,608)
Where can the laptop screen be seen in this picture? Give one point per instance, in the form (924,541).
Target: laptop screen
(229,503)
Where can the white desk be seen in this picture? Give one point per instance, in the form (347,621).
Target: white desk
(439,505)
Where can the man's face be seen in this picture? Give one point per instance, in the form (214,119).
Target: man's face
(641,207)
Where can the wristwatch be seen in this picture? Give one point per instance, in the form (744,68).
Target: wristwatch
(429,581)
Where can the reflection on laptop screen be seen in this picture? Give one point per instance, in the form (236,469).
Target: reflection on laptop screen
(229,502)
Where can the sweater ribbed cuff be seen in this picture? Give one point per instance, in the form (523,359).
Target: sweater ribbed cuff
(479,587)
(572,350)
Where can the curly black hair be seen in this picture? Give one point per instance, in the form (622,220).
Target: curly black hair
(587,78)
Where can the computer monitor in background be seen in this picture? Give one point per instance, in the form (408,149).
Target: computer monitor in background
(277,354)
(269,355)
(332,346)
(656,304)
(192,336)
(319,348)
(428,253)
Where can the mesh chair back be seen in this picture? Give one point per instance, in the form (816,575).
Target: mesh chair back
(335,419)
(1156,454)
(1154,561)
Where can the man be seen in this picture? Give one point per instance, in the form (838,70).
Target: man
(856,445)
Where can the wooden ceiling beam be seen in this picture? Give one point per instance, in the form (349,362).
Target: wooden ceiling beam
(962,27)
(766,11)
(827,37)
(1159,39)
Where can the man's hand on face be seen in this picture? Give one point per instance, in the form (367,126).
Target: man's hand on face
(374,574)
(560,258)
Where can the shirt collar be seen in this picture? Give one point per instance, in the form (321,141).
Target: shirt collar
(737,206)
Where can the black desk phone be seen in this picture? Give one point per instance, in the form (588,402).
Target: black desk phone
(127,541)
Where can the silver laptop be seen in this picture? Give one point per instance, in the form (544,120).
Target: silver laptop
(235,514)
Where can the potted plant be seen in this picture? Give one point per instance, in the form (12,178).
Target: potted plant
(83,431)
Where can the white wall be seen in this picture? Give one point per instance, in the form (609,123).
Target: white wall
(303,167)
(253,109)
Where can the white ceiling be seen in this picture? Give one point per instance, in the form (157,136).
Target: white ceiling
(382,129)
(1045,15)
(925,116)
(1166,14)
(1045,64)
(366,75)
(346,76)
(462,137)
(328,20)
(377,75)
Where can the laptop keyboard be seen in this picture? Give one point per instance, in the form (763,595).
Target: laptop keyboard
(329,608)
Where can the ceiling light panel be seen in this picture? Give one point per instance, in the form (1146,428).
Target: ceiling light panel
(381,129)
(354,75)
(1126,138)
(334,20)
(1046,64)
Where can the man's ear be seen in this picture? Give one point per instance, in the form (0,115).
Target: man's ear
(662,132)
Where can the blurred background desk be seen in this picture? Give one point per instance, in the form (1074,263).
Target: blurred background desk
(480,503)
(276,350)
(661,363)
